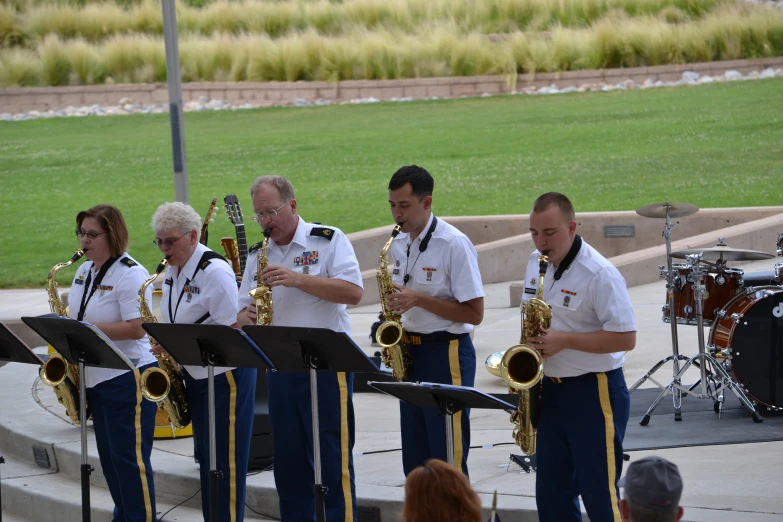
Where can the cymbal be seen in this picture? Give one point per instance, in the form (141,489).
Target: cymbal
(658,210)
(724,253)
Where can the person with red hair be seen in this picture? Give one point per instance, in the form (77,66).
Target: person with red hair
(439,492)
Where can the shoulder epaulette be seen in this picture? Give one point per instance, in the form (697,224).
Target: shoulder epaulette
(128,261)
(254,247)
(207,257)
(328,233)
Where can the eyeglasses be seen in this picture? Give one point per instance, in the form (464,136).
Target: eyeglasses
(268,214)
(90,235)
(168,243)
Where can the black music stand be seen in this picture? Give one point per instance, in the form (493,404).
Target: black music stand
(447,398)
(295,349)
(13,349)
(209,345)
(83,344)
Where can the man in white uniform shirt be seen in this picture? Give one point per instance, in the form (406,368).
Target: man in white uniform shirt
(105,293)
(200,287)
(440,298)
(584,399)
(313,273)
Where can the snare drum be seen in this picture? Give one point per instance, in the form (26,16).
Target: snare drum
(750,330)
(719,288)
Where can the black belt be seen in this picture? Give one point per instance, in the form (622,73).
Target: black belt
(431,338)
(560,380)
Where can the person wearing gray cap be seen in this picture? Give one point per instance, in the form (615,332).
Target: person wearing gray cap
(652,490)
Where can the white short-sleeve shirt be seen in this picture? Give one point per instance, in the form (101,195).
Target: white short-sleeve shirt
(115,300)
(590,296)
(196,290)
(447,269)
(315,250)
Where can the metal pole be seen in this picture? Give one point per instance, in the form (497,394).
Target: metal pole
(450,441)
(676,392)
(318,489)
(175,100)
(86,469)
(2,461)
(214,474)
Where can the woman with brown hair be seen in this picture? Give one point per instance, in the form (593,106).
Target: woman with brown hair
(105,293)
(439,492)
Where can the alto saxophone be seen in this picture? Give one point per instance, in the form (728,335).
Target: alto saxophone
(56,372)
(389,334)
(163,385)
(522,366)
(262,294)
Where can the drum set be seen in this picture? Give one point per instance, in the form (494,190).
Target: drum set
(743,352)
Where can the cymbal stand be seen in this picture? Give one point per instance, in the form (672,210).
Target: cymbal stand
(714,378)
(675,358)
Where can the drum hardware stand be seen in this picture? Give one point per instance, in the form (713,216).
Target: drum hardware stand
(676,357)
(714,378)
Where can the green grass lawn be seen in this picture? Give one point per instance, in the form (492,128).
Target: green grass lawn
(713,146)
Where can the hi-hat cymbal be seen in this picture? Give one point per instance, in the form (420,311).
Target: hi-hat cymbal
(724,253)
(658,210)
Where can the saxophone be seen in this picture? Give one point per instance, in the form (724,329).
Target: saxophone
(390,333)
(522,367)
(56,372)
(163,385)
(262,294)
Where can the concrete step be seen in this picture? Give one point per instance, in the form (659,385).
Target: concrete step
(35,494)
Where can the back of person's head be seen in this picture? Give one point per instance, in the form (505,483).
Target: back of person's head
(439,492)
(421,181)
(652,491)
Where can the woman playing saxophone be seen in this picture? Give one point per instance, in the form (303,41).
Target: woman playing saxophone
(104,293)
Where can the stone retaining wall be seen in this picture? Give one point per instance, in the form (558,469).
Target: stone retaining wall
(285,93)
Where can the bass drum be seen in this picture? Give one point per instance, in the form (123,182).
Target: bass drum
(750,330)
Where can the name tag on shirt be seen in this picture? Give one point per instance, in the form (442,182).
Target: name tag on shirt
(530,291)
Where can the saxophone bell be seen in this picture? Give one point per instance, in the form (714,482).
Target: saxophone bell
(155,384)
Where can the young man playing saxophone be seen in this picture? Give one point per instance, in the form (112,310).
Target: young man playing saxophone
(440,298)
(313,273)
(585,403)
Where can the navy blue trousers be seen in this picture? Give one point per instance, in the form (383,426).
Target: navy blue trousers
(292,429)
(124,426)
(423,430)
(580,447)
(235,397)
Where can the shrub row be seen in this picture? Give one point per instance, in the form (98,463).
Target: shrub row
(732,33)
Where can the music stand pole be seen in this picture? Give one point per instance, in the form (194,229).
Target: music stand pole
(214,473)
(318,489)
(86,469)
(2,461)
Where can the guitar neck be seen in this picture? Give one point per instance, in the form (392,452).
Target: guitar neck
(241,246)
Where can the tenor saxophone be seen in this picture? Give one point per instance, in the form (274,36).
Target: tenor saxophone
(262,294)
(390,333)
(522,366)
(163,385)
(56,372)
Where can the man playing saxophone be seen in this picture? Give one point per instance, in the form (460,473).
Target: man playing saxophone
(585,404)
(200,288)
(313,274)
(440,297)
(104,293)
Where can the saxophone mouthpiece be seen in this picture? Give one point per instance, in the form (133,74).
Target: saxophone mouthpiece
(162,265)
(396,230)
(267,232)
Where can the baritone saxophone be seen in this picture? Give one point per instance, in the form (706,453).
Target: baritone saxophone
(56,372)
(522,366)
(390,333)
(164,385)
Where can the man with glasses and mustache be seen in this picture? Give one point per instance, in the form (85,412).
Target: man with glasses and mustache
(313,273)
(584,401)
(200,288)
